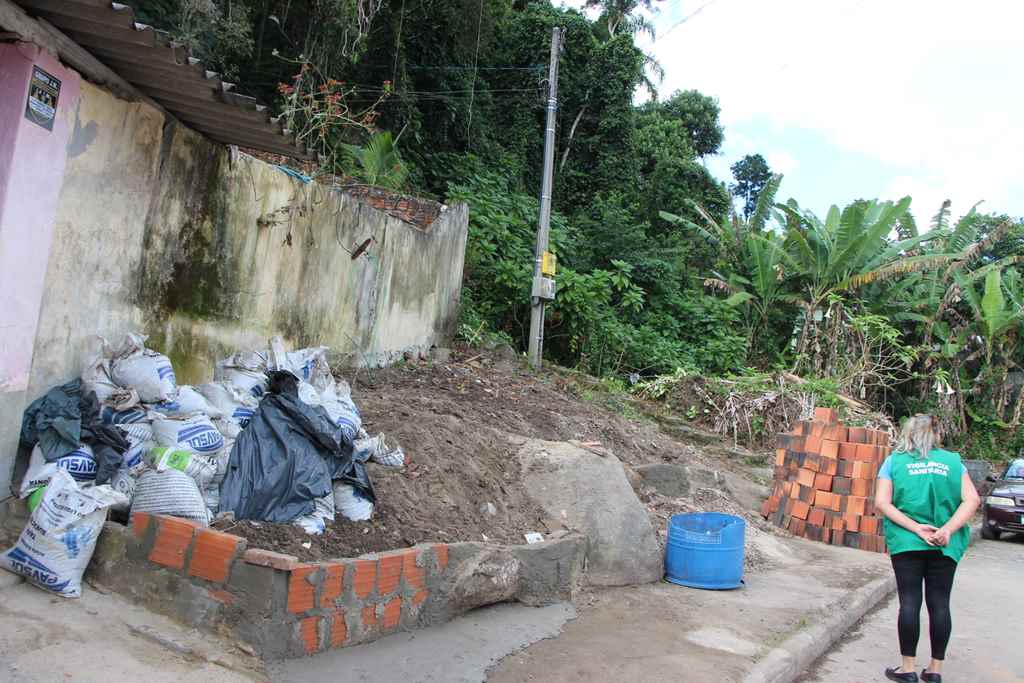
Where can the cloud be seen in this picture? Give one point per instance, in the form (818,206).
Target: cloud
(928,91)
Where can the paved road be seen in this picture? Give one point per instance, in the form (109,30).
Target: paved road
(988,626)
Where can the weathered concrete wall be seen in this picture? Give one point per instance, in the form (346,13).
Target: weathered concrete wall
(284,608)
(158,229)
(31,168)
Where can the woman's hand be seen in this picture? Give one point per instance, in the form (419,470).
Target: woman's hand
(940,537)
(927,533)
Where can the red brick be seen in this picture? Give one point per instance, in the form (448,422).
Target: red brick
(823,499)
(173,537)
(332,584)
(369,617)
(301,593)
(339,629)
(365,577)
(308,631)
(826,415)
(837,537)
(856,504)
(805,477)
(861,488)
(867,453)
(816,517)
(829,466)
(766,508)
(823,482)
(852,522)
(268,558)
(140,523)
(848,451)
(830,449)
(392,614)
(223,596)
(837,523)
(389,571)
(801,509)
(837,502)
(857,435)
(869,525)
(420,597)
(416,577)
(813,445)
(212,555)
(441,552)
(780,456)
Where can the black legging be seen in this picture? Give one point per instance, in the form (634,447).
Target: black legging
(936,571)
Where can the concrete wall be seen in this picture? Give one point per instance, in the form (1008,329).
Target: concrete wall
(31,169)
(207,251)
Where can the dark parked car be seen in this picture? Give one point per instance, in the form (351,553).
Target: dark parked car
(1004,505)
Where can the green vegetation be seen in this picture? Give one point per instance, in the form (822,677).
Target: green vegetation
(661,274)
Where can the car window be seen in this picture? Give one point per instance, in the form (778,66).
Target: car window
(1015,470)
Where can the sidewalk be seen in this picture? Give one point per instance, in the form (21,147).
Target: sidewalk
(663,632)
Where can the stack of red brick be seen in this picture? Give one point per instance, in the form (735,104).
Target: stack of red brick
(825,482)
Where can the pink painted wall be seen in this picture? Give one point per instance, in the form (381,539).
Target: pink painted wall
(32,163)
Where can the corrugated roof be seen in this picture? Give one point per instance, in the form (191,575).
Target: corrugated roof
(165,71)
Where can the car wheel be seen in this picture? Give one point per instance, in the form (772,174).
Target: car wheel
(989,533)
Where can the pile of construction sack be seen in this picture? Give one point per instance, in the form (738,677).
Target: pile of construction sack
(275,437)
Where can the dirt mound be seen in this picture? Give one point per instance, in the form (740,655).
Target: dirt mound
(461,424)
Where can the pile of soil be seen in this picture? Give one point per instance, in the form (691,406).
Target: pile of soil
(461,424)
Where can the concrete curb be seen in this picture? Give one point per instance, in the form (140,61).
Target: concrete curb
(799,651)
(787,661)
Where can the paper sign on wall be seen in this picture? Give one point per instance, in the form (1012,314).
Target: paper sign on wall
(43,91)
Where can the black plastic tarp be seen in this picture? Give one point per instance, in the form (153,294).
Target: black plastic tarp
(62,419)
(286,457)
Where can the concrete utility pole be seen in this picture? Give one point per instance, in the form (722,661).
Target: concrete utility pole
(543,265)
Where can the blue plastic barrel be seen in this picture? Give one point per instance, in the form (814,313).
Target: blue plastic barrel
(705,550)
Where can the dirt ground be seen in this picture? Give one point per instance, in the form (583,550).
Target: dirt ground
(460,424)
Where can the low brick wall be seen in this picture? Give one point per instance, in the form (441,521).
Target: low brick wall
(280,607)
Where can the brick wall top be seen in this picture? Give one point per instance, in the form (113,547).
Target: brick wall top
(416,211)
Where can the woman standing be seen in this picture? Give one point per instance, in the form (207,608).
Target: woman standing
(927,498)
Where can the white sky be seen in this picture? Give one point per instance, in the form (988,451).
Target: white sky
(861,98)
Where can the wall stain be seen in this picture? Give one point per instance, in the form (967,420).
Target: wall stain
(81,137)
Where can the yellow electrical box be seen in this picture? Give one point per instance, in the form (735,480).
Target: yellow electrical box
(549,264)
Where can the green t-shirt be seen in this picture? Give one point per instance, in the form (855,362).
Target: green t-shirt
(928,491)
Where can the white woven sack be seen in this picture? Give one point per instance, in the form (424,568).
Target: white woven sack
(57,544)
(233,404)
(196,434)
(79,463)
(170,493)
(144,370)
(350,504)
(188,402)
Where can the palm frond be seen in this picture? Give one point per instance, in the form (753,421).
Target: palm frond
(765,202)
(940,221)
(896,269)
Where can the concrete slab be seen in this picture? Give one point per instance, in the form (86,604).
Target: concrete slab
(102,638)
(663,632)
(460,651)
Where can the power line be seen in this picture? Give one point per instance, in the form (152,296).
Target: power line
(476,57)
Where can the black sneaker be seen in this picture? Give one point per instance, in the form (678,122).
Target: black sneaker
(930,678)
(895,675)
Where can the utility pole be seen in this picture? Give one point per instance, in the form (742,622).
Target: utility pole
(543,287)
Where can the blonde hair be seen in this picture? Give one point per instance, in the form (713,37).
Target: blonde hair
(919,435)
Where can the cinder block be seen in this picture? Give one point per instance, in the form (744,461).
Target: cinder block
(302,588)
(213,553)
(173,538)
